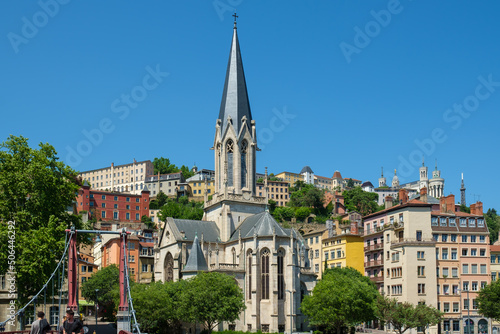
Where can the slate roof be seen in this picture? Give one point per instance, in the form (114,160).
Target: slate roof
(196,260)
(367,184)
(192,228)
(430,199)
(235,96)
(306,169)
(262,224)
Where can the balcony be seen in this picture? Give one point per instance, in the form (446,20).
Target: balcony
(373,247)
(344,225)
(413,242)
(398,226)
(225,267)
(373,263)
(377,279)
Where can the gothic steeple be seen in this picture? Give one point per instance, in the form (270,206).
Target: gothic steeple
(235,104)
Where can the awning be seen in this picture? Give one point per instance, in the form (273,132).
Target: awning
(85,303)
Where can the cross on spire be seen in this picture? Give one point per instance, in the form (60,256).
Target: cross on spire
(235,17)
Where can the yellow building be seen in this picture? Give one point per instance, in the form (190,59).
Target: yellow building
(343,243)
(290,177)
(197,184)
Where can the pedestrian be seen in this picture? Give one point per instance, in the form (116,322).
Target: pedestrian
(41,325)
(61,329)
(72,325)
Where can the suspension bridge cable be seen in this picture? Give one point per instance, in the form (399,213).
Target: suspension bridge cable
(127,280)
(61,282)
(2,324)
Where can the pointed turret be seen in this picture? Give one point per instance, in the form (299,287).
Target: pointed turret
(235,104)
(196,260)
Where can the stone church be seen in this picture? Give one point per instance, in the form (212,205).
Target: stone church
(238,236)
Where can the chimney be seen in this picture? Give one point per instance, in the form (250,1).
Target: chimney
(388,202)
(447,204)
(403,196)
(477,208)
(183,235)
(423,194)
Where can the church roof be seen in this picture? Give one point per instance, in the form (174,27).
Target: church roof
(261,224)
(306,169)
(235,97)
(196,260)
(191,228)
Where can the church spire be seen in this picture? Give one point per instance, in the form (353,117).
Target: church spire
(235,104)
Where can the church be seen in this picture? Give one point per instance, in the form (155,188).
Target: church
(237,235)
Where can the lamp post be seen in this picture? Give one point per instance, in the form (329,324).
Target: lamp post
(291,310)
(96,309)
(468,309)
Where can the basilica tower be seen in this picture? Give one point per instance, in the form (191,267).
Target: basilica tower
(235,147)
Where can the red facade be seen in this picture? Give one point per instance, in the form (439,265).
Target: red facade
(113,206)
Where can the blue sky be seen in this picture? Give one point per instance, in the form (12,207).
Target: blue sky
(340,85)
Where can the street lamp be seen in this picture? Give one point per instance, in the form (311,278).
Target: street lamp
(96,308)
(468,308)
(291,310)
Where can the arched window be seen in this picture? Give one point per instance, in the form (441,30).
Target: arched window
(265,273)
(169,268)
(281,278)
(249,271)
(229,155)
(234,255)
(244,171)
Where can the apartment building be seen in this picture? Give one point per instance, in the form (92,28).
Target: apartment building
(111,254)
(277,191)
(198,182)
(167,183)
(400,251)
(463,264)
(314,239)
(122,178)
(343,244)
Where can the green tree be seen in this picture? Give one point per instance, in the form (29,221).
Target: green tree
(161,199)
(163,166)
(404,316)
(107,281)
(283,214)
(464,208)
(159,307)
(181,208)
(211,298)
(148,222)
(493,223)
(301,213)
(272,205)
(488,300)
(350,184)
(341,299)
(186,172)
(306,195)
(361,201)
(35,191)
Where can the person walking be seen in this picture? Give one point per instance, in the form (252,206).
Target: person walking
(72,325)
(40,325)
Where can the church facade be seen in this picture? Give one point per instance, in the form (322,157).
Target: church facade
(237,235)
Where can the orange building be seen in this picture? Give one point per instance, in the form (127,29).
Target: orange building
(111,255)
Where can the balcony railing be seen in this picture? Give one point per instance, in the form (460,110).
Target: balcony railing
(373,263)
(377,279)
(413,241)
(373,247)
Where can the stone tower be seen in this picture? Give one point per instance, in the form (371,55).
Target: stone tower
(235,147)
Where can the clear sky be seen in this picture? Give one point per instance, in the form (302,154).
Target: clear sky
(337,85)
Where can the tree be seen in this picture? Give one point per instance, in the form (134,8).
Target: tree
(181,208)
(159,307)
(404,316)
(283,214)
(107,281)
(186,172)
(464,208)
(493,223)
(164,166)
(272,205)
(148,222)
(306,195)
(488,300)
(361,201)
(301,213)
(213,297)
(35,191)
(343,298)
(350,183)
